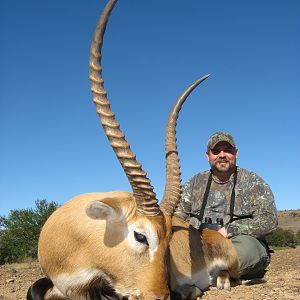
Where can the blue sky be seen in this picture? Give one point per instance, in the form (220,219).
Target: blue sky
(52,144)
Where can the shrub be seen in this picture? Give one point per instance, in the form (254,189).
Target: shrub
(19,232)
(282,238)
(297,237)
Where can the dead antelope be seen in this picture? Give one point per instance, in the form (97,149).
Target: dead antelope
(121,245)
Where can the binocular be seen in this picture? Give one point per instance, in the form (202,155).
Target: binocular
(214,226)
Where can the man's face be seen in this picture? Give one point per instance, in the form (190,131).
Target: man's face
(222,158)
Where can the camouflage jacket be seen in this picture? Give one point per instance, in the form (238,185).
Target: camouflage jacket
(254,213)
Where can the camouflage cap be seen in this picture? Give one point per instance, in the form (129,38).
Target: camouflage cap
(220,136)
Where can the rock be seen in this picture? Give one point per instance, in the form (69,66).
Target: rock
(10,280)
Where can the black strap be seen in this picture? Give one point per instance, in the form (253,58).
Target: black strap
(205,197)
(232,197)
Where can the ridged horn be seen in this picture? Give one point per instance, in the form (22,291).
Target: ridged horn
(143,193)
(173,191)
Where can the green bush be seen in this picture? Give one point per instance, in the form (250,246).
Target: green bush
(297,237)
(19,232)
(283,238)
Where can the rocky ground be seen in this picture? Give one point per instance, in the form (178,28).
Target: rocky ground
(282,280)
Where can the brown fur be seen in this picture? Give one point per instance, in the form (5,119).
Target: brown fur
(72,241)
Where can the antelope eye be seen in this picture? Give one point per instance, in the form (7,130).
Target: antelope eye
(140,238)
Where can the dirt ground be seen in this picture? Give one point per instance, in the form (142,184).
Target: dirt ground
(282,280)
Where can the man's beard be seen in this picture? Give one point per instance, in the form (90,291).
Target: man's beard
(223,166)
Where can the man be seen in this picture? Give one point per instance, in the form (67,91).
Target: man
(239,200)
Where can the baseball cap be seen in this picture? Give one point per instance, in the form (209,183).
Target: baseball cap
(220,136)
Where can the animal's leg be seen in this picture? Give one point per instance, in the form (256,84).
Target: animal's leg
(221,258)
(220,277)
(223,281)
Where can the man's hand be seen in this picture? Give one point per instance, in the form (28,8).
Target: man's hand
(223,231)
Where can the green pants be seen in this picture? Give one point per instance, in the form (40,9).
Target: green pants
(253,256)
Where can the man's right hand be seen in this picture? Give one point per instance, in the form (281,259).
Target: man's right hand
(223,231)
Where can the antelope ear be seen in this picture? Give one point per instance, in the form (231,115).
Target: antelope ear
(101,211)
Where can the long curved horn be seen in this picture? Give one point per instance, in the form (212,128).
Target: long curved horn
(173,191)
(144,195)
